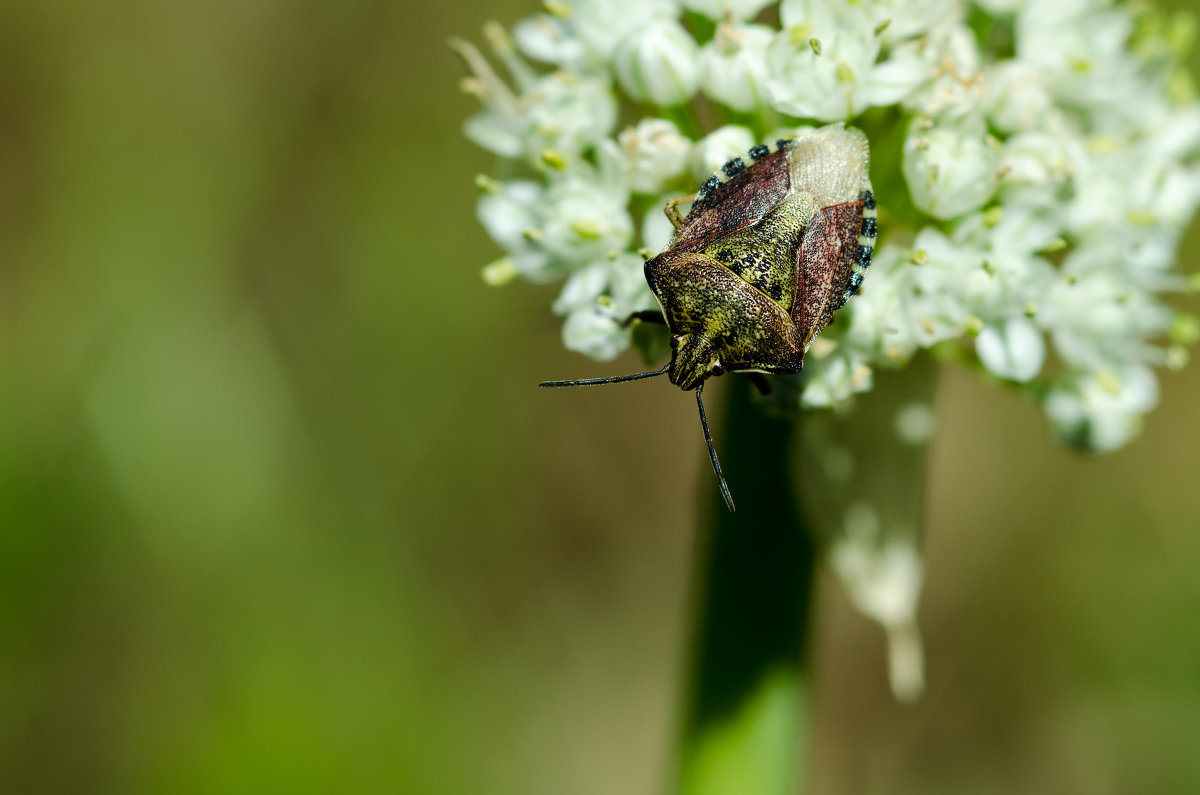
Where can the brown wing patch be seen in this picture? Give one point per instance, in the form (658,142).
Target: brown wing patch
(736,204)
(824,262)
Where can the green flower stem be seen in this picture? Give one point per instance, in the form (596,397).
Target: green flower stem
(747,698)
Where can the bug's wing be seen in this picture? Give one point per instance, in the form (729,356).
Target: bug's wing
(831,165)
(826,262)
(736,198)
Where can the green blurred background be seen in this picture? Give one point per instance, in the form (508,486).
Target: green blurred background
(282,511)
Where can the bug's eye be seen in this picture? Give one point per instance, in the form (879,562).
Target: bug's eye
(718,369)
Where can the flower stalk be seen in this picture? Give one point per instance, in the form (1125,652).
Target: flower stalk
(747,702)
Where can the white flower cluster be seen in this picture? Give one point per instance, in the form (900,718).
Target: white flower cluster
(1042,167)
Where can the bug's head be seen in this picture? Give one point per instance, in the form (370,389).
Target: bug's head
(693,359)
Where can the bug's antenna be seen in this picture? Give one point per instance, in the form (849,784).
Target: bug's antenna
(712,452)
(614,380)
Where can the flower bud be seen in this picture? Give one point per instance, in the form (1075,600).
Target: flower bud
(719,9)
(733,66)
(581,289)
(833,379)
(548,39)
(655,154)
(949,167)
(1015,351)
(508,214)
(1102,411)
(659,64)
(1017,99)
(594,332)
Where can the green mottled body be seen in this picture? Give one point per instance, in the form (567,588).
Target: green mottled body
(773,245)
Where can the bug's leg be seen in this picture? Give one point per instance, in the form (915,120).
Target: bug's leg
(761,383)
(646,316)
(672,210)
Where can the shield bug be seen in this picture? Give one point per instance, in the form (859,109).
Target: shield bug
(773,245)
